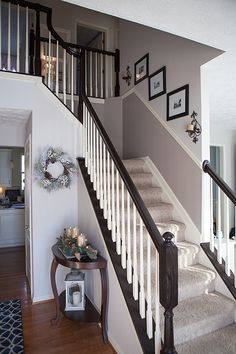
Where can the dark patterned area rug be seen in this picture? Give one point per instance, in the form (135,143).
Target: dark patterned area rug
(11,333)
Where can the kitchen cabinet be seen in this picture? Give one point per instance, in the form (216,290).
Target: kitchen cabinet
(5,168)
(12,227)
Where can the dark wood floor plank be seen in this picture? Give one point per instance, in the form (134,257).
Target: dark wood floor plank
(68,337)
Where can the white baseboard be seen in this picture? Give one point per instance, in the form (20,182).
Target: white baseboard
(38,299)
(192,234)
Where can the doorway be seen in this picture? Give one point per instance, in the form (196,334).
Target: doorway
(94,38)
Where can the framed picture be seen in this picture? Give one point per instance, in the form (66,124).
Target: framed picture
(157,83)
(178,103)
(141,69)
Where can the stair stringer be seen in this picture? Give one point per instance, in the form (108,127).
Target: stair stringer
(121,331)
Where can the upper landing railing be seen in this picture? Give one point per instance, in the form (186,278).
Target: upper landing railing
(24,50)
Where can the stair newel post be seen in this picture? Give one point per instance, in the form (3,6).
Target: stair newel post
(81,84)
(168,289)
(117,72)
(31,51)
(37,45)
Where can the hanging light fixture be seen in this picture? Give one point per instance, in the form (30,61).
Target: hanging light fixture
(194,129)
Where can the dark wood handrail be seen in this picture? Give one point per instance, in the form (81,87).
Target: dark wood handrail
(143,212)
(206,166)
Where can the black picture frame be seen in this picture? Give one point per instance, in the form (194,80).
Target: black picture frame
(178,103)
(157,83)
(141,69)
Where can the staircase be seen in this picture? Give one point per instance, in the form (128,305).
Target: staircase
(203,319)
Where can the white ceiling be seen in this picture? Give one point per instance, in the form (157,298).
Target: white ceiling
(205,21)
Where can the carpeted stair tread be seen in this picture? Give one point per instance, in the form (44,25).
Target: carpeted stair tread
(135,165)
(143,180)
(201,315)
(161,212)
(222,341)
(195,280)
(188,253)
(150,195)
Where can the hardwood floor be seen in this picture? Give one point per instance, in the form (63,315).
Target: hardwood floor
(39,336)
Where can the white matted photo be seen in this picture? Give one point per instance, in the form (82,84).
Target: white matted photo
(141,69)
(178,103)
(157,83)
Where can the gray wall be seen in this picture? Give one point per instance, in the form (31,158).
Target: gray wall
(145,136)
(182,59)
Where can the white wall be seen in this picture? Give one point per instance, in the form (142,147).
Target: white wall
(182,59)
(52,125)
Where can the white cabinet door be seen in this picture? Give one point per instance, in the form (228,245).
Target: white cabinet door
(5,168)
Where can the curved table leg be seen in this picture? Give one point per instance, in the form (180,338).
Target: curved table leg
(54,266)
(103,273)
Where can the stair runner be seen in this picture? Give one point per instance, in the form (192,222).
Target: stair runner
(204,318)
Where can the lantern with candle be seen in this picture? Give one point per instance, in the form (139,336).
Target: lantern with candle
(75,298)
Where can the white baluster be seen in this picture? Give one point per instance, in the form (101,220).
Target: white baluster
(227,261)
(94,159)
(89,145)
(105,181)
(219,231)
(135,265)
(142,292)
(91,73)
(113,214)
(157,308)
(72,84)
(108,192)
(64,76)
(84,131)
(26,40)
(123,244)
(211,218)
(86,136)
(9,38)
(118,248)
(91,148)
(98,170)
(149,296)
(57,69)
(18,39)
(49,58)
(101,174)
(96,74)
(129,260)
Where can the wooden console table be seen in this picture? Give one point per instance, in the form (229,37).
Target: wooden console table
(90,314)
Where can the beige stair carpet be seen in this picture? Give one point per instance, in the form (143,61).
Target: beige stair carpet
(203,319)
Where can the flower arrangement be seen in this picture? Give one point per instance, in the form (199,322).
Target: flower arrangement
(54,169)
(74,244)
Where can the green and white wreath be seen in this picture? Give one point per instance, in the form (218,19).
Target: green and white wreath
(54,170)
